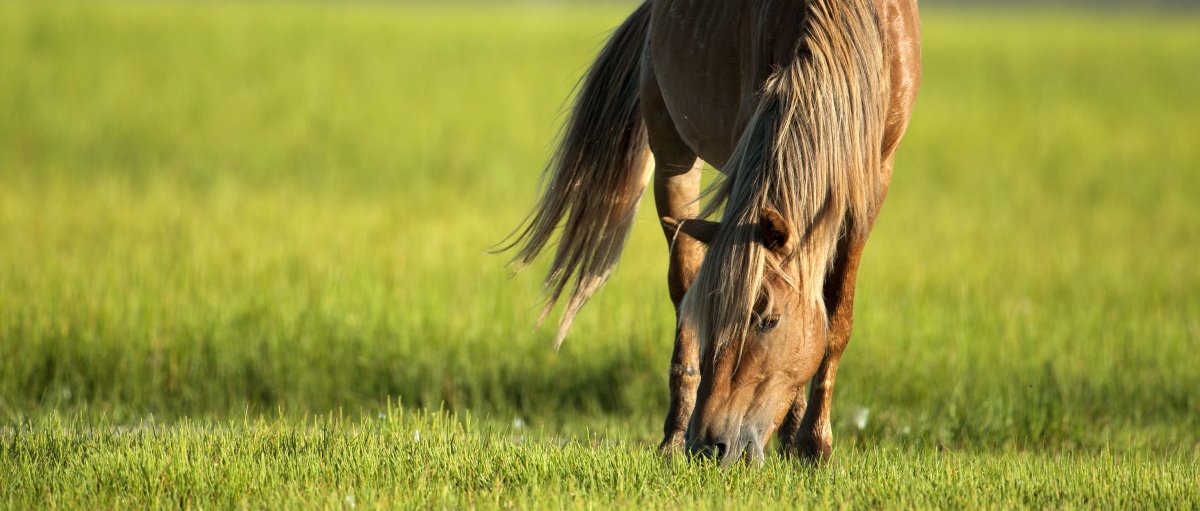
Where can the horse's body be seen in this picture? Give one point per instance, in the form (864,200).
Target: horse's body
(701,51)
(801,104)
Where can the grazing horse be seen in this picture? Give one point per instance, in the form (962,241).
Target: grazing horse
(800,104)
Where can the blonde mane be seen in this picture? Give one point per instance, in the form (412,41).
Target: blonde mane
(811,151)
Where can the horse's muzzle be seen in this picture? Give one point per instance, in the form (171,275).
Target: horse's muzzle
(729,447)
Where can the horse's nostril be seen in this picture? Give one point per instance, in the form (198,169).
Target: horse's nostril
(721,449)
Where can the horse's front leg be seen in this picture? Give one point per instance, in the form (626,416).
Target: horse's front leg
(676,195)
(807,432)
(672,186)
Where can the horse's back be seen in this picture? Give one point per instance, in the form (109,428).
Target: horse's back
(710,57)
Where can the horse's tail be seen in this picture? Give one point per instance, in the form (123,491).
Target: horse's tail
(596,177)
(811,151)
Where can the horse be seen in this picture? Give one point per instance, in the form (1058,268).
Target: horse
(800,105)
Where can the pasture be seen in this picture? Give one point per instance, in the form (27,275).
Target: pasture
(243,263)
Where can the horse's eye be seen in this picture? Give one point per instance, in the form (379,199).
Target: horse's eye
(768,323)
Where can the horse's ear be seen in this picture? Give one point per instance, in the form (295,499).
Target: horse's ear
(700,230)
(777,236)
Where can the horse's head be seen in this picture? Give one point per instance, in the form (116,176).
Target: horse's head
(752,365)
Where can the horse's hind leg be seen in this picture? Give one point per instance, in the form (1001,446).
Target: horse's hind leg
(676,195)
(789,428)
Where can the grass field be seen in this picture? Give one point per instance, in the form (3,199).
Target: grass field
(243,264)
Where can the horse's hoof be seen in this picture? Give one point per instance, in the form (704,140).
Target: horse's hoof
(814,452)
(672,447)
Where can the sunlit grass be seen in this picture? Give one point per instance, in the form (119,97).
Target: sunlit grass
(423,460)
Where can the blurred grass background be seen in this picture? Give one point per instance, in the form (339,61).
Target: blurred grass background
(213,210)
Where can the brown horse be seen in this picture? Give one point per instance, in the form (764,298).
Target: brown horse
(801,105)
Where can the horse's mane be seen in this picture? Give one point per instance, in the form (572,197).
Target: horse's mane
(810,151)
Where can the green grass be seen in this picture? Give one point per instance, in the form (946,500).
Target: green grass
(218,221)
(406,461)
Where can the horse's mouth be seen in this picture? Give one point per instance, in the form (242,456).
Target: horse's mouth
(746,447)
